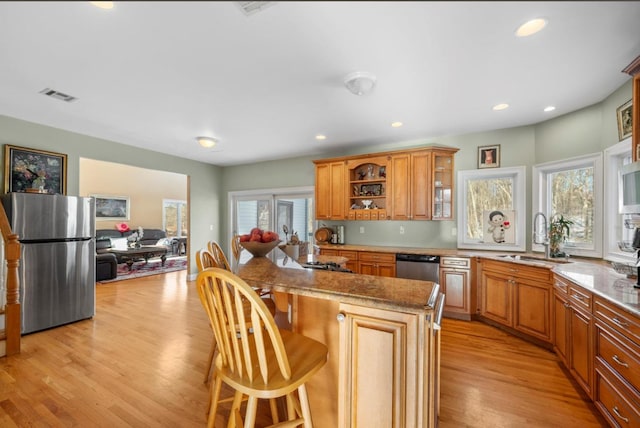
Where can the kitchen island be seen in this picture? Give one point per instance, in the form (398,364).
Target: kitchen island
(382,336)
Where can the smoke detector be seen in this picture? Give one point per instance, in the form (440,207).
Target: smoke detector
(360,82)
(251,7)
(57,95)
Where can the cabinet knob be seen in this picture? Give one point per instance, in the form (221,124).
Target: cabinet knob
(341,317)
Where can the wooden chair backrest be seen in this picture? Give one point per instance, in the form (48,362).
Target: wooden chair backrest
(236,248)
(204,260)
(243,336)
(218,255)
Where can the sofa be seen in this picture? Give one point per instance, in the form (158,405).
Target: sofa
(106,263)
(106,239)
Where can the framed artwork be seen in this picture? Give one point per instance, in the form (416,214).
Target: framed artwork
(112,207)
(36,171)
(489,156)
(624,114)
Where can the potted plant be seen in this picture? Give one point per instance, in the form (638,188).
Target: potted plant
(558,233)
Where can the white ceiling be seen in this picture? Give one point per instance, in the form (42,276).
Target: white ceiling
(157,74)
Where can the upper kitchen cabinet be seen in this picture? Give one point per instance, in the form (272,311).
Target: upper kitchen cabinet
(367,188)
(414,184)
(633,70)
(330,190)
(410,184)
(442,185)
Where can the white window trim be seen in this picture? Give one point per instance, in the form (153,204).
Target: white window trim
(518,173)
(540,200)
(611,202)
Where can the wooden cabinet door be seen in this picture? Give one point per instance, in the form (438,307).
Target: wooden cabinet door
(367,268)
(455,285)
(323,191)
(421,186)
(532,305)
(561,313)
(384,379)
(386,269)
(496,300)
(400,187)
(581,349)
(338,184)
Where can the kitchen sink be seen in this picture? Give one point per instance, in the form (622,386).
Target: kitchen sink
(534,259)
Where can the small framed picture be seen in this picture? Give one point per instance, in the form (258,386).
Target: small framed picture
(489,156)
(36,171)
(624,114)
(112,207)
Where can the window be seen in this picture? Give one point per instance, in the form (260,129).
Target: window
(271,210)
(572,188)
(484,192)
(174,218)
(618,227)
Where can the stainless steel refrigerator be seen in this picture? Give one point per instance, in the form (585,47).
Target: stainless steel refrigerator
(57,262)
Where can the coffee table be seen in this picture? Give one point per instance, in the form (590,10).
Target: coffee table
(145,252)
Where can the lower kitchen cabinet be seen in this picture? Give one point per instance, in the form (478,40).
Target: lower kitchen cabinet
(455,283)
(352,256)
(574,331)
(517,296)
(380,264)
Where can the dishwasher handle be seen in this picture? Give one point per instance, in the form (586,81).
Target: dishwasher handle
(417,258)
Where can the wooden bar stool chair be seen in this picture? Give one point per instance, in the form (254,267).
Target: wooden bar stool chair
(255,358)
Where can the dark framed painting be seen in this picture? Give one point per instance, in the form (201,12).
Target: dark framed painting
(489,156)
(625,123)
(34,171)
(112,207)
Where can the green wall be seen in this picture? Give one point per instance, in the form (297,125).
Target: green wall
(205,180)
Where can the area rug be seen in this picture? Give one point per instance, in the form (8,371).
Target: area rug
(152,267)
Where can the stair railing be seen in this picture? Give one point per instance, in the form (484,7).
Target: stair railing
(12,307)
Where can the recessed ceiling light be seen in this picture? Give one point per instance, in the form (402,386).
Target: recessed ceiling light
(549,108)
(499,107)
(321,137)
(103,4)
(397,124)
(531,27)
(207,142)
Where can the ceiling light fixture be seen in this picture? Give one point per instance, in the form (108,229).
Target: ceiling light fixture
(360,82)
(499,107)
(397,124)
(321,137)
(530,28)
(103,4)
(549,108)
(207,142)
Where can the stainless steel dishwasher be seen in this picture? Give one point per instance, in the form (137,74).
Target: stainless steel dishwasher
(418,266)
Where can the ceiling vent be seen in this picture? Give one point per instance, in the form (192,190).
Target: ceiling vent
(252,7)
(57,95)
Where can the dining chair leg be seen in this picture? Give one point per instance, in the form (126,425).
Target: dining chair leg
(291,411)
(273,404)
(235,418)
(214,397)
(250,414)
(212,351)
(304,404)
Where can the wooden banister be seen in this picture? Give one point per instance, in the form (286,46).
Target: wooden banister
(12,309)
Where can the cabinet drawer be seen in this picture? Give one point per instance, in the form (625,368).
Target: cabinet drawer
(617,403)
(623,322)
(580,298)
(325,252)
(455,262)
(377,257)
(351,255)
(619,354)
(561,285)
(518,270)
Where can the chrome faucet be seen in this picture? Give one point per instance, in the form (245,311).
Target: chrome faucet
(545,236)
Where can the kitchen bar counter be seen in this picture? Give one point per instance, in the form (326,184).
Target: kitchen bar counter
(369,290)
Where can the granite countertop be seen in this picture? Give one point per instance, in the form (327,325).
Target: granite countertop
(396,294)
(603,281)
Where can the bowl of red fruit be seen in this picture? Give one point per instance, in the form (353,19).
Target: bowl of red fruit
(259,242)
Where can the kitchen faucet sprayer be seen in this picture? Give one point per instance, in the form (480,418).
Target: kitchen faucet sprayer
(545,235)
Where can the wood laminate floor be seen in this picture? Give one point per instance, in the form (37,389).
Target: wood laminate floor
(140,362)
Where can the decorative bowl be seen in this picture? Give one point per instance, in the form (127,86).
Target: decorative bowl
(259,249)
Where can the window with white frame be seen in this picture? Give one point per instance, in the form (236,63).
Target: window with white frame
(487,191)
(572,188)
(619,228)
(174,217)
